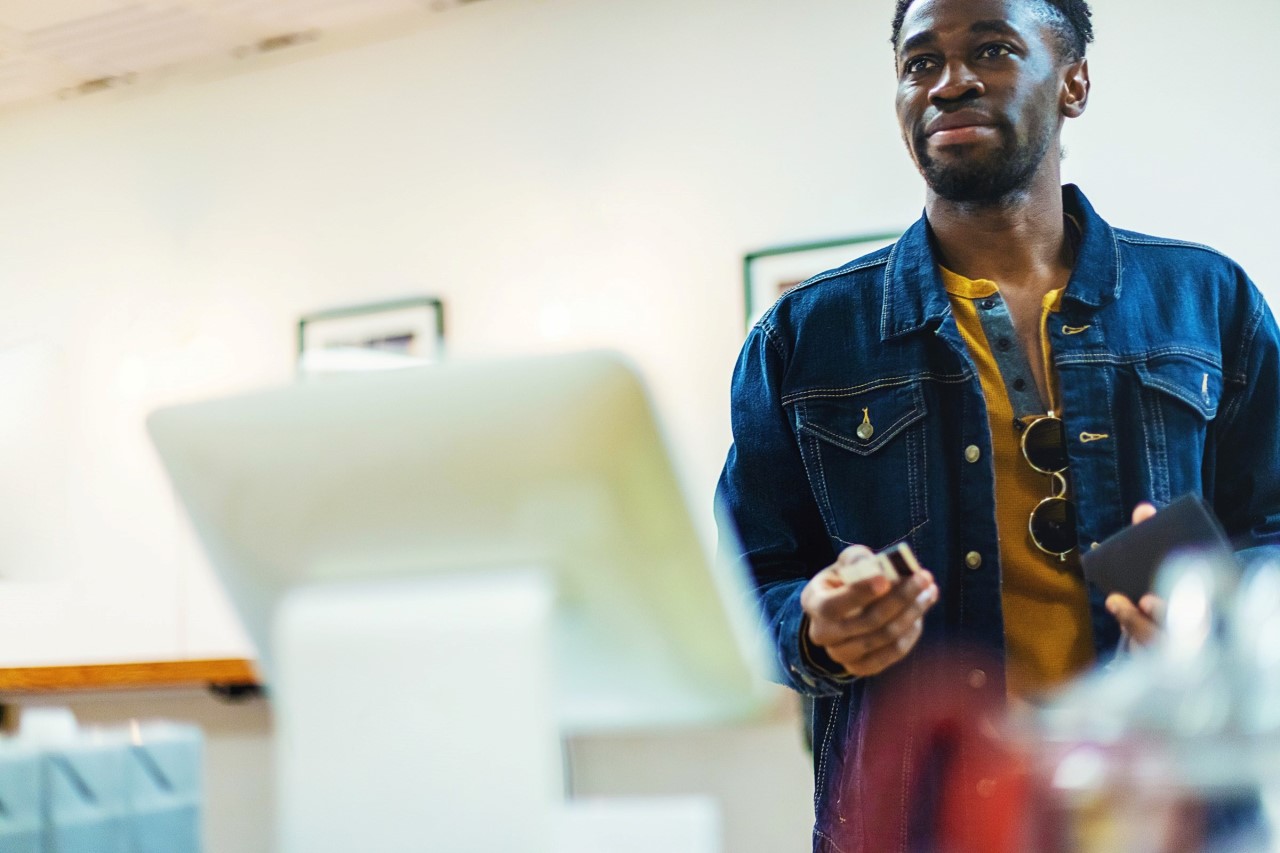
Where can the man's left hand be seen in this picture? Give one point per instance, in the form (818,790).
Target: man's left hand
(1140,623)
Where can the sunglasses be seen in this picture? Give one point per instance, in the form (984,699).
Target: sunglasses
(1053,521)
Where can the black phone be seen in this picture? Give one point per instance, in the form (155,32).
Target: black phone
(1127,562)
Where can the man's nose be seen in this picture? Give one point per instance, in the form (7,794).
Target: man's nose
(957,82)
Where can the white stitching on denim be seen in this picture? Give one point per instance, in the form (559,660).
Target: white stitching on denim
(1233,408)
(1146,240)
(875,385)
(1164,428)
(819,490)
(827,838)
(772,337)
(872,447)
(1115,248)
(816,450)
(1178,392)
(1213,358)
(920,494)
(1111,419)
(856,265)
(908,745)
(912,532)
(818,279)
(1228,416)
(826,755)
(1205,356)
(1166,492)
(859,751)
(1246,342)
(885,291)
(912,471)
(1146,434)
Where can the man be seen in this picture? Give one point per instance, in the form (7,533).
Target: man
(888,400)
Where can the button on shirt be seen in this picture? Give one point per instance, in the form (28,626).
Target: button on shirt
(1045,602)
(1165,347)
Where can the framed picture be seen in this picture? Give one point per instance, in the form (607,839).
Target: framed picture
(769,273)
(374,336)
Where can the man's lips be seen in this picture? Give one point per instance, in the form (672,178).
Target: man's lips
(959,118)
(962,135)
(961,127)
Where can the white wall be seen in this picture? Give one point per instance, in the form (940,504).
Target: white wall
(563,173)
(1180,136)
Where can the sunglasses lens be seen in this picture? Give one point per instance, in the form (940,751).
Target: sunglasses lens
(1053,526)
(1045,445)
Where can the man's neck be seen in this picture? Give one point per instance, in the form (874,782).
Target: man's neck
(1020,243)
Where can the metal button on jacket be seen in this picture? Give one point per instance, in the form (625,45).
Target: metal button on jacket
(973,560)
(972,453)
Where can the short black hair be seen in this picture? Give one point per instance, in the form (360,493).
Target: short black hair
(1070,21)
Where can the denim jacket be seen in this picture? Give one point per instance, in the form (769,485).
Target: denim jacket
(1169,365)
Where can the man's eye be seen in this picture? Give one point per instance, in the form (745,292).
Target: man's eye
(995,51)
(917,65)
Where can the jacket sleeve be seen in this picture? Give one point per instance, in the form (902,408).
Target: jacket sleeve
(765,498)
(1247,487)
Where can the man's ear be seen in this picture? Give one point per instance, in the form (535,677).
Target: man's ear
(1075,89)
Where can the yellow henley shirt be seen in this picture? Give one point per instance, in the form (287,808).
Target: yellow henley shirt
(1048,636)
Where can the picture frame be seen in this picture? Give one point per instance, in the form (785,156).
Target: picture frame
(382,335)
(770,272)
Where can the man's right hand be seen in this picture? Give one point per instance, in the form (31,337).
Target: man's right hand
(870,625)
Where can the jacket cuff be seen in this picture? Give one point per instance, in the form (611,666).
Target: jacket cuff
(809,669)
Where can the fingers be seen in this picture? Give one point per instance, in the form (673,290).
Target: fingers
(901,599)
(854,553)
(870,624)
(833,577)
(1153,607)
(856,563)
(880,659)
(839,599)
(830,609)
(888,631)
(1141,623)
(1140,627)
(1142,512)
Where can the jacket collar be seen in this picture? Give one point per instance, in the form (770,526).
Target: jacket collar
(915,299)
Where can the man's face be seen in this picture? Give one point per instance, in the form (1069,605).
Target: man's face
(978,95)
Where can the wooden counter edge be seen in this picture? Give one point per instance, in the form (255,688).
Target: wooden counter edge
(125,676)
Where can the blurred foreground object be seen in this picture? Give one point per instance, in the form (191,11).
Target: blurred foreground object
(443,566)
(388,335)
(1171,749)
(134,789)
(1176,748)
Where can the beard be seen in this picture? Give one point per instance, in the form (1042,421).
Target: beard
(986,179)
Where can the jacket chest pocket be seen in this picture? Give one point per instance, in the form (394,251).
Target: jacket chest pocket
(1179,397)
(865,458)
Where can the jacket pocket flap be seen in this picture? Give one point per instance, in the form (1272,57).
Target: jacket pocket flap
(865,422)
(1193,381)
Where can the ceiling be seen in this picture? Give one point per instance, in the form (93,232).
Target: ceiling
(71,48)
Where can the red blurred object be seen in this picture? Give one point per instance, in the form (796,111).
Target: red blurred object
(941,776)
